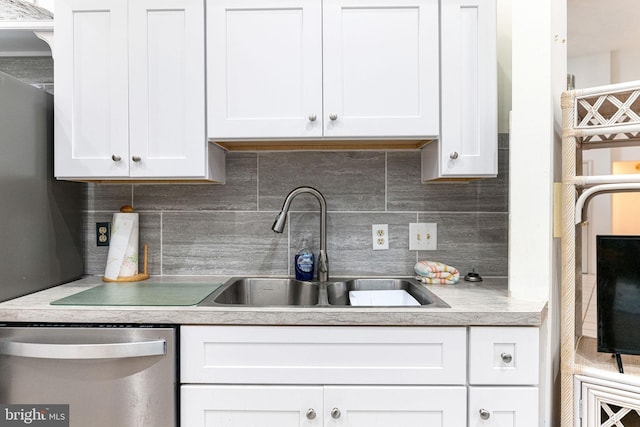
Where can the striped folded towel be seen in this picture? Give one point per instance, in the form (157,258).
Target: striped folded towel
(436,272)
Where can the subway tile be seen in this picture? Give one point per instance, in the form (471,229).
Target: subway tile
(222,243)
(349,246)
(407,193)
(349,181)
(239,192)
(149,232)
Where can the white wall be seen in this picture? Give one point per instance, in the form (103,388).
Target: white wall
(538,79)
(590,70)
(606,67)
(625,65)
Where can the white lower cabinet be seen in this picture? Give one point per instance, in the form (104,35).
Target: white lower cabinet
(293,406)
(359,376)
(247,405)
(503,376)
(503,407)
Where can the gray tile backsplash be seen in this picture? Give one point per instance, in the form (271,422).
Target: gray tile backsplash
(209,229)
(349,181)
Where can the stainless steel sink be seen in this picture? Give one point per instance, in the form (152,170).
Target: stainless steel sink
(338,292)
(264,291)
(274,291)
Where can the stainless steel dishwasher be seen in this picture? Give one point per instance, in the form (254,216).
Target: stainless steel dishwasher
(109,375)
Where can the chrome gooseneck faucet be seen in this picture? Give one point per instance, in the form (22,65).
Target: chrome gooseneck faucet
(278,226)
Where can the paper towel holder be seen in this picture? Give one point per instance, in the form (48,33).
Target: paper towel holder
(137,277)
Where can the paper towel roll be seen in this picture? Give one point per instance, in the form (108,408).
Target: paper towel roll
(122,260)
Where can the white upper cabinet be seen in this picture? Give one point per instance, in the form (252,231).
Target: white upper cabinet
(130,83)
(467,145)
(380,68)
(91,93)
(313,69)
(264,68)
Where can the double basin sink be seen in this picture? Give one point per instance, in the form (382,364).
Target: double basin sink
(267,292)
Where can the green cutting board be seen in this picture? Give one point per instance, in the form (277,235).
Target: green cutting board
(141,293)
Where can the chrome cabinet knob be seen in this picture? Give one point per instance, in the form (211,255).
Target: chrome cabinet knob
(312,117)
(453,155)
(311,414)
(335,413)
(333,117)
(484,414)
(115,158)
(136,159)
(506,357)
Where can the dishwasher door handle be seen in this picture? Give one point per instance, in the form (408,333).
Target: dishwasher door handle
(84,351)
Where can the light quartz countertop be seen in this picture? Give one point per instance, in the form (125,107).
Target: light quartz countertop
(483,303)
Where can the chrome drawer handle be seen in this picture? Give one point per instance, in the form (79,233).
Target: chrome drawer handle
(453,155)
(311,414)
(335,413)
(136,158)
(506,357)
(312,117)
(115,158)
(333,117)
(484,414)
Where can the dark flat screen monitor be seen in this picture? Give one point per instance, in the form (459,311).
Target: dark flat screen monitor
(618,294)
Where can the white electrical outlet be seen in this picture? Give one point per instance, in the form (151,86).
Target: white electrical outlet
(380,236)
(423,236)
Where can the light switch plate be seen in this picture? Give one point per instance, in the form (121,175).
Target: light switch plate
(423,236)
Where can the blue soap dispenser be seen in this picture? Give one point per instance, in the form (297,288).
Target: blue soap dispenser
(304,260)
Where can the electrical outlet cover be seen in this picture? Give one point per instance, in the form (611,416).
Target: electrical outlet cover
(380,237)
(103,233)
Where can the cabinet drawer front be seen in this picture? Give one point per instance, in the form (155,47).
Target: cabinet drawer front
(503,407)
(323,355)
(503,355)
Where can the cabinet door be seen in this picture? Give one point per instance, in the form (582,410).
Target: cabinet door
(167,88)
(243,406)
(467,146)
(394,406)
(264,68)
(380,68)
(503,407)
(91,111)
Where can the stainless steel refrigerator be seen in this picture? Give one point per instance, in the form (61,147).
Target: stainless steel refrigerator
(41,241)
(83,375)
